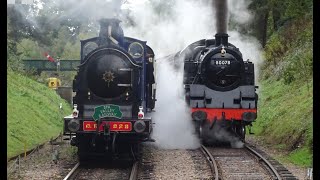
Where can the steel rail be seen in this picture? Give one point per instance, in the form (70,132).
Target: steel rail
(134,171)
(275,172)
(212,162)
(72,171)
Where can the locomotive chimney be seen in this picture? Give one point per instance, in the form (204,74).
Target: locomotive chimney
(221,7)
(221,38)
(110,31)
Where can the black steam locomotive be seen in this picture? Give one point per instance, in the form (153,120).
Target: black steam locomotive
(219,87)
(114,93)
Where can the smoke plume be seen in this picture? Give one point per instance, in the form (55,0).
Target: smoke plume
(221,7)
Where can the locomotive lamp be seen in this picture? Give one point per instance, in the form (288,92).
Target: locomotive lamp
(139,126)
(140,113)
(199,115)
(249,116)
(75,111)
(74,125)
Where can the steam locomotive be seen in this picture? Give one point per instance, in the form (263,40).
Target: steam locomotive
(219,87)
(114,93)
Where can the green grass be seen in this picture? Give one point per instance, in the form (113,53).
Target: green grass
(285,118)
(33,114)
(301,156)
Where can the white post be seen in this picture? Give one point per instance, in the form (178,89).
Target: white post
(310,174)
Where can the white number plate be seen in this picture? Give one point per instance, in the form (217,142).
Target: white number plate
(222,62)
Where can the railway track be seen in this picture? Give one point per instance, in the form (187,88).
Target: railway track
(279,171)
(103,172)
(245,163)
(212,162)
(225,163)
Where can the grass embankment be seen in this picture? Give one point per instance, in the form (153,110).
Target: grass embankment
(285,119)
(33,114)
(285,115)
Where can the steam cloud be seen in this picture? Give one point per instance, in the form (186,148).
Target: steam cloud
(189,21)
(173,128)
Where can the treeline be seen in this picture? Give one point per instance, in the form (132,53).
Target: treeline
(284,29)
(32,31)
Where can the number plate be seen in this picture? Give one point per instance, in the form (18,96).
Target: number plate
(113,125)
(223,62)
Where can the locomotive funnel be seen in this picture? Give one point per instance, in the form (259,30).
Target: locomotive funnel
(221,38)
(110,30)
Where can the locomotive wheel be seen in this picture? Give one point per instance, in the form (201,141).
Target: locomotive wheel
(202,131)
(199,129)
(241,132)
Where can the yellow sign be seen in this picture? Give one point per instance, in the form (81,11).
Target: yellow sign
(54,83)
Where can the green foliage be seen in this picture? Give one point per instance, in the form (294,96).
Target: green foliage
(71,51)
(298,8)
(300,65)
(32,31)
(30,49)
(271,15)
(33,113)
(289,52)
(274,49)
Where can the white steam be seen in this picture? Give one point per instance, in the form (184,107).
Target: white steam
(250,48)
(239,11)
(173,128)
(189,21)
